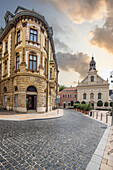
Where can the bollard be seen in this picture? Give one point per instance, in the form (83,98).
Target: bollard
(97,115)
(57,112)
(106,118)
(93,114)
(101,116)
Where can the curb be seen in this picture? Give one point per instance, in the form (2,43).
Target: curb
(96,159)
(29,119)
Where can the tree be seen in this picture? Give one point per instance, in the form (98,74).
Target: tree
(61,87)
(106,104)
(83,102)
(100,103)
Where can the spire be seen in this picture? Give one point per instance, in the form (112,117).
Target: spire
(92,64)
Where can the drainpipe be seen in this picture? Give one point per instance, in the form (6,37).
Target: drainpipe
(47,73)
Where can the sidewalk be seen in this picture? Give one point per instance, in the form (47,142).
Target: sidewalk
(30,116)
(107,160)
(102,158)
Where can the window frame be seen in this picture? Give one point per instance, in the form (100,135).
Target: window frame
(18,36)
(33,61)
(84,96)
(33,34)
(17,61)
(99,95)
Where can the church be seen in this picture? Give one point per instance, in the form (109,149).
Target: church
(93,88)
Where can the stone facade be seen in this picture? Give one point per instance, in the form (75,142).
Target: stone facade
(68,97)
(93,88)
(29,71)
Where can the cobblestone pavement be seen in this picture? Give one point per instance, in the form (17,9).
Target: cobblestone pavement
(63,143)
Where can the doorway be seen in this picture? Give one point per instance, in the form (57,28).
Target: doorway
(64,105)
(31,101)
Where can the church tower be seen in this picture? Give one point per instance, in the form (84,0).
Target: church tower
(92,64)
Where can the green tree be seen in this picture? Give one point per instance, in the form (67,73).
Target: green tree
(61,87)
(100,103)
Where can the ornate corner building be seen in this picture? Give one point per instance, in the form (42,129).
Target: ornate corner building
(93,88)
(28,66)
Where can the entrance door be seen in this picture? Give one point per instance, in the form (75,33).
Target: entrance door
(64,105)
(31,102)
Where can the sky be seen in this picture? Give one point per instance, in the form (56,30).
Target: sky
(82,29)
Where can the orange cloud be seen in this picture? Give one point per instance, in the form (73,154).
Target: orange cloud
(81,10)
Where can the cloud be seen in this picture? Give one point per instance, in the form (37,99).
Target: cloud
(103,36)
(81,10)
(61,46)
(78,62)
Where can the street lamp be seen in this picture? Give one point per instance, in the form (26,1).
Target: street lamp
(112,107)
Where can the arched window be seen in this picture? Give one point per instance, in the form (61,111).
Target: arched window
(15,88)
(32,89)
(99,95)
(84,96)
(92,78)
(91,96)
(5,89)
(65,95)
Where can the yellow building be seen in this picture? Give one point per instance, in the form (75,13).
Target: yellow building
(93,88)
(29,71)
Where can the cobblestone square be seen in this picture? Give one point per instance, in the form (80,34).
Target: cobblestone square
(63,143)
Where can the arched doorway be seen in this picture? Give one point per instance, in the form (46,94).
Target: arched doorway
(31,98)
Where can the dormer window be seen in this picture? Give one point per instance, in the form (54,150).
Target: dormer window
(92,78)
(33,35)
(18,36)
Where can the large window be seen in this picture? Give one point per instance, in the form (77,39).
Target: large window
(99,95)
(33,35)
(17,62)
(92,78)
(91,96)
(84,96)
(50,73)
(18,36)
(32,62)
(5,67)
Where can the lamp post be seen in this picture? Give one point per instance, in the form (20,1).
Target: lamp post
(112,107)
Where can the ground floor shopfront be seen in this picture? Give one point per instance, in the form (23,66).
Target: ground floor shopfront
(25,93)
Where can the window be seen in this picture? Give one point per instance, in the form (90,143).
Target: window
(17,62)
(91,96)
(84,96)
(45,67)
(32,62)
(5,89)
(5,70)
(6,46)
(45,43)
(69,104)
(16,100)
(63,95)
(33,35)
(50,73)
(75,95)
(70,95)
(32,88)
(18,36)
(92,78)
(99,95)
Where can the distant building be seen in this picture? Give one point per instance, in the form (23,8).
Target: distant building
(68,97)
(93,88)
(28,66)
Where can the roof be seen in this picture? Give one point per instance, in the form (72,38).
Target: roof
(69,89)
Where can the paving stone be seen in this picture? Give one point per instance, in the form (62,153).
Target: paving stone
(65,143)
